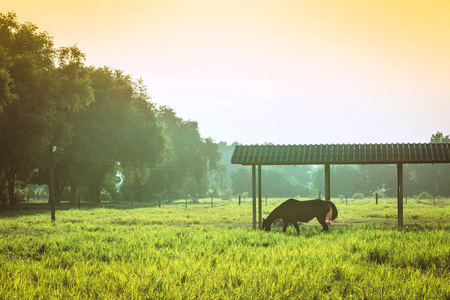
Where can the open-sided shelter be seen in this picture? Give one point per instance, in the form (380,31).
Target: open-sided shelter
(397,154)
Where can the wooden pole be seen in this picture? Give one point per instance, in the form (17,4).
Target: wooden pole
(346,198)
(327,182)
(400,194)
(159,201)
(239,199)
(254,194)
(376,198)
(259,198)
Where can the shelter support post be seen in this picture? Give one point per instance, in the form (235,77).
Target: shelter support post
(327,182)
(254,194)
(400,194)
(259,198)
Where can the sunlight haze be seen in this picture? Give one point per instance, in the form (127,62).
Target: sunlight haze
(285,72)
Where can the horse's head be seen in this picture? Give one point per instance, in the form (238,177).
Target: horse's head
(265,225)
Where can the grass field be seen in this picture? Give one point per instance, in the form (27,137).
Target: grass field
(212,253)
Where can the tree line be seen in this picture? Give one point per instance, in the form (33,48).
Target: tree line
(110,139)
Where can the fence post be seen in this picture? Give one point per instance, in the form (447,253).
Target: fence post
(376,198)
(159,201)
(345,198)
(239,199)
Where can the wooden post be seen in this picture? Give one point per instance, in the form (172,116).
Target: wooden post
(239,199)
(254,194)
(52,184)
(327,182)
(376,198)
(78,200)
(400,194)
(259,198)
(346,199)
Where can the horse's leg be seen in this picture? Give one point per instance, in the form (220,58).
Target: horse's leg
(323,223)
(285,225)
(296,227)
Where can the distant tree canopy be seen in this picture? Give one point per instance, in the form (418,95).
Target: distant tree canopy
(101,121)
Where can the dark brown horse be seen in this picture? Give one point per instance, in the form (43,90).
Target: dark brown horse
(293,211)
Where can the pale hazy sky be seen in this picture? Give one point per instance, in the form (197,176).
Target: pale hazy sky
(286,72)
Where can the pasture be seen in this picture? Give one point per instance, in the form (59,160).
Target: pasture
(212,253)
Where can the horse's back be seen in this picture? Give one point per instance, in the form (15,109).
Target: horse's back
(303,211)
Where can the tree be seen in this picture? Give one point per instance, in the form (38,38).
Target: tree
(188,155)
(118,128)
(439,137)
(241,180)
(28,90)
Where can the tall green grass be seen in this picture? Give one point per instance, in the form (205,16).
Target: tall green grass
(211,253)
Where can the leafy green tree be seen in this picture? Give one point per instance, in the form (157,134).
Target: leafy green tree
(218,180)
(118,128)
(439,137)
(188,155)
(345,179)
(39,87)
(241,180)
(275,182)
(432,179)
(27,96)
(442,171)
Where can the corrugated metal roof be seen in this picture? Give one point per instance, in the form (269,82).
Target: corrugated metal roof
(341,154)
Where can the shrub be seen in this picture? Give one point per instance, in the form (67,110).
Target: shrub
(358,196)
(105,196)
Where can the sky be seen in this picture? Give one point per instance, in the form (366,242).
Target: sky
(272,71)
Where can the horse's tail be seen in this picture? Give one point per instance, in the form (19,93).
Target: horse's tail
(334,211)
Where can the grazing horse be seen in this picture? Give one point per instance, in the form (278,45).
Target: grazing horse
(293,211)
